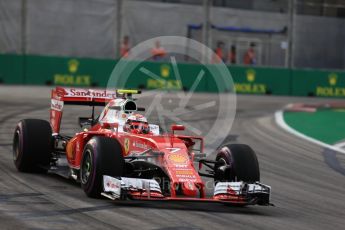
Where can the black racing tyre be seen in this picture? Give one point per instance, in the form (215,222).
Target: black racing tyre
(236,162)
(101,156)
(32,145)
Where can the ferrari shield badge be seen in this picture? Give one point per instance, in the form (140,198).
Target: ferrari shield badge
(126,145)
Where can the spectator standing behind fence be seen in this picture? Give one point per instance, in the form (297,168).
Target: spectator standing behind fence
(158,52)
(249,57)
(125,47)
(232,55)
(219,53)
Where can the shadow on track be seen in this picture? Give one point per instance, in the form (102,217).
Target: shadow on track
(332,161)
(194,206)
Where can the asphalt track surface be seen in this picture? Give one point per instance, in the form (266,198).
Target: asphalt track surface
(308,182)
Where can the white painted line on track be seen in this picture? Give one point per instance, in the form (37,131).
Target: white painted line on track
(340,145)
(280,121)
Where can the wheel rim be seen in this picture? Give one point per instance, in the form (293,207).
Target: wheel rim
(225,172)
(222,162)
(16,146)
(86,167)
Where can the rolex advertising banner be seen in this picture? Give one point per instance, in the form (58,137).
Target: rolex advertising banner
(257,80)
(67,71)
(318,83)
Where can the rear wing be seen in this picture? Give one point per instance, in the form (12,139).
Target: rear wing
(77,96)
(61,96)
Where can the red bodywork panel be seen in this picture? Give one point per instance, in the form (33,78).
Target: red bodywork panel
(175,160)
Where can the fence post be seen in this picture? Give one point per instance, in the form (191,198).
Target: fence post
(291,26)
(119,17)
(207,4)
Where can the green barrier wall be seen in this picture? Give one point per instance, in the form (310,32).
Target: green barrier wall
(42,70)
(246,80)
(11,69)
(318,83)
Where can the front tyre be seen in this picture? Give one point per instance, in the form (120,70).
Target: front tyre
(32,145)
(101,156)
(236,162)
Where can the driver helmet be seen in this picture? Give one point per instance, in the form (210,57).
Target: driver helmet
(137,123)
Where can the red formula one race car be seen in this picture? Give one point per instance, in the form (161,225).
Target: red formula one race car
(121,156)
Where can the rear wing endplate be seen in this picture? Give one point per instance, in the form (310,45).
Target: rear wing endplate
(75,96)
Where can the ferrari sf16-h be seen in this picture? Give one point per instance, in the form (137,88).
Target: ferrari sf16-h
(121,156)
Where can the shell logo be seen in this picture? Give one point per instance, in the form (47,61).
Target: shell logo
(178,158)
(184,172)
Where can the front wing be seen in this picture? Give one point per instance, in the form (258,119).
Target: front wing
(234,193)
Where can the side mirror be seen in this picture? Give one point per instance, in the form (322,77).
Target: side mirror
(85,121)
(177,128)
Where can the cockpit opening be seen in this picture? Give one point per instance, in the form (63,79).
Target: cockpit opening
(130,106)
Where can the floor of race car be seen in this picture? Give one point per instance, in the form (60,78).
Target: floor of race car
(308,183)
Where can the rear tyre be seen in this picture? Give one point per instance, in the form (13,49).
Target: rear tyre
(32,145)
(101,156)
(236,162)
